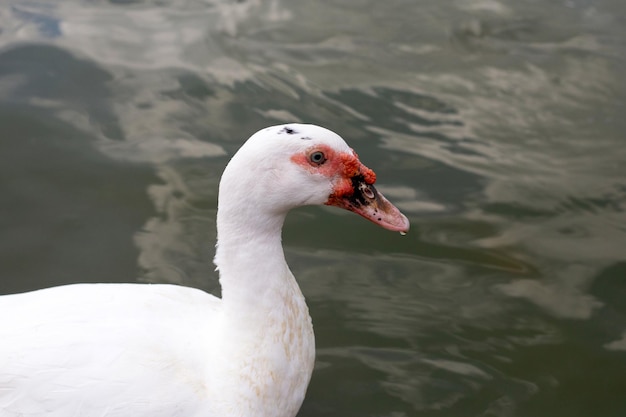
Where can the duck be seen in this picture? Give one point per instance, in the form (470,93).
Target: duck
(162,350)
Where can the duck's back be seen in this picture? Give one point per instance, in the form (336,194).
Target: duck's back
(106,350)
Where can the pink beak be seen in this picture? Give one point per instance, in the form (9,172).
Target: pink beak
(366,201)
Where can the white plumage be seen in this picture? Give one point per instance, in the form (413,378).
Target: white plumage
(135,350)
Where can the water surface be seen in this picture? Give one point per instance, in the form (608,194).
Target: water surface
(497,126)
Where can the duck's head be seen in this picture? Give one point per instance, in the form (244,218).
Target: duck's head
(287,166)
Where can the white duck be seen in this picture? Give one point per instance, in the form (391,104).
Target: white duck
(134,350)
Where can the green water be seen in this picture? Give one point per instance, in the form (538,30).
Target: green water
(498,127)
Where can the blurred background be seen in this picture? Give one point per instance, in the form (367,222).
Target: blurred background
(497,126)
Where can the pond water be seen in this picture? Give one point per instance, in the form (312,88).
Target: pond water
(497,126)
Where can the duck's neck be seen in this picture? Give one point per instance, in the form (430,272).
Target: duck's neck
(265,321)
(253,273)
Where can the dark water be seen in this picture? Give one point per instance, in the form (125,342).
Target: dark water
(499,127)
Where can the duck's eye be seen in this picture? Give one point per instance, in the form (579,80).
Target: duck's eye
(317,158)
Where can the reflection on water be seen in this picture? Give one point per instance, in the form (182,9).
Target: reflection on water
(497,126)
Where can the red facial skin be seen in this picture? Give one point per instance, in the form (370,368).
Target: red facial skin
(353,187)
(344,165)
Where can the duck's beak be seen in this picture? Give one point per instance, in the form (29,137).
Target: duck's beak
(359,195)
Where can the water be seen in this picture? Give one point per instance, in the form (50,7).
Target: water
(496,126)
